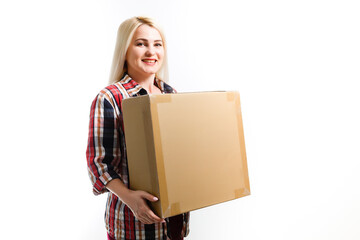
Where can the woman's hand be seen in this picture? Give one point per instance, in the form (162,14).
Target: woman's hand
(136,201)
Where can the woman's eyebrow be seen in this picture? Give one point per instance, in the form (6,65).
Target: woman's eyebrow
(144,39)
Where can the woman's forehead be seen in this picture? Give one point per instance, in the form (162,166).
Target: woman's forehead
(145,32)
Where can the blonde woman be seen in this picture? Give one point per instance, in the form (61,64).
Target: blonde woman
(139,67)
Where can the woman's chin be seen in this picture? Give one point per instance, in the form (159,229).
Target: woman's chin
(150,71)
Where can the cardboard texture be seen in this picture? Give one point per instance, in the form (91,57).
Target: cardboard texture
(187,149)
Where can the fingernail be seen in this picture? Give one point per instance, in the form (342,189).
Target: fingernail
(155,199)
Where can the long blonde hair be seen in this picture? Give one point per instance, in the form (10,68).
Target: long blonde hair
(124,36)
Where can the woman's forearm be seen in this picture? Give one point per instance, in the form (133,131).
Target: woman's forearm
(117,187)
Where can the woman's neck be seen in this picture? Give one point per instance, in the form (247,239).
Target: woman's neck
(146,81)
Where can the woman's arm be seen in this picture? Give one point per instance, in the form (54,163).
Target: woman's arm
(103,139)
(103,143)
(135,200)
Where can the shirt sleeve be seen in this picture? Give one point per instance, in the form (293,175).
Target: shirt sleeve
(103,144)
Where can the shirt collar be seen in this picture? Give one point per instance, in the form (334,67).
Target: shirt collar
(134,89)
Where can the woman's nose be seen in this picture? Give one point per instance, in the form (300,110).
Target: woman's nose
(150,51)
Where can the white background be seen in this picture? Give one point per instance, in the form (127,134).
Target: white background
(295,64)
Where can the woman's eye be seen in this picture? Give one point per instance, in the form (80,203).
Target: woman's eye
(139,44)
(158,44)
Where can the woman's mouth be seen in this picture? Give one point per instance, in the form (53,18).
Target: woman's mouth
(149,61)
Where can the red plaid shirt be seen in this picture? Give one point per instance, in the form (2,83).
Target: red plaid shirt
(107,160)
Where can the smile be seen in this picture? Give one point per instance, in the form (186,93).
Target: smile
(149,60)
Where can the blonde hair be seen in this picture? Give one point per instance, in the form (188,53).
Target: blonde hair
(124,36)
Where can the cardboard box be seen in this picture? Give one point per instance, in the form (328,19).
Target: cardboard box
(187,149)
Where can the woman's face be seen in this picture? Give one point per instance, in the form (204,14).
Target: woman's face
(145,54)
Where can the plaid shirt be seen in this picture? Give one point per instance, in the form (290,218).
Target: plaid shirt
(107,160)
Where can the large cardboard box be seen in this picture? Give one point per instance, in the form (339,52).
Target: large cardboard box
(187,149)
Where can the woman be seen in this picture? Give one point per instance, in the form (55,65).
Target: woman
(139,67)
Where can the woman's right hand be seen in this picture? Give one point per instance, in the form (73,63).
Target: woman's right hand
(136,201)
